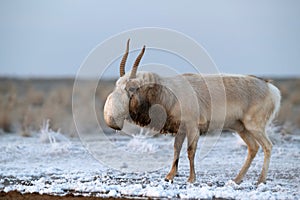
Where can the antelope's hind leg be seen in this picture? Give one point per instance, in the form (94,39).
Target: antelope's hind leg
(267,145)
(252,150)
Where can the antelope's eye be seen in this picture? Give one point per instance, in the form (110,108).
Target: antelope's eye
(131,89)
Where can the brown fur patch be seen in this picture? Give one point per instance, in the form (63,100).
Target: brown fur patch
(141,102)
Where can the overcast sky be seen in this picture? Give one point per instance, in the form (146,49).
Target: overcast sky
(52,38)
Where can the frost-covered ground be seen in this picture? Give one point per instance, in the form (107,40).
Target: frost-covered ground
(49,163)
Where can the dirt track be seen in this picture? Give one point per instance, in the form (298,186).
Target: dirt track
(14,195)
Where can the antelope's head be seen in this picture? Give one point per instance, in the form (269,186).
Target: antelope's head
(116,108)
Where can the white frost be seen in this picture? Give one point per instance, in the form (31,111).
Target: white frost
(50,163)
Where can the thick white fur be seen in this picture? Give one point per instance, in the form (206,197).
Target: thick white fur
(276,96)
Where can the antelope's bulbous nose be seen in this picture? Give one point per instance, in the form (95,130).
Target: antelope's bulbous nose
(116,109)
(112,123)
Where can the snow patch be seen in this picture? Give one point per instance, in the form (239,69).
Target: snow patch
(141,145)
(27,166)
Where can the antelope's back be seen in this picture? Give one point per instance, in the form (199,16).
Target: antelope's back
(234,93)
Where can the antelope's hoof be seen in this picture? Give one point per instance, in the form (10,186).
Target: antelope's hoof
(169,180)
(260,182)
(237,181)
(191,180)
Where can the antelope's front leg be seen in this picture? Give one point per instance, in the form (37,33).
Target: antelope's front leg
(192,147)
(179,139)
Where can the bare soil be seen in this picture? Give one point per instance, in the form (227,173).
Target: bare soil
(15,195)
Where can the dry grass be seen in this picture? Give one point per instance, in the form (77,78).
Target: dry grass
(7,103)
(25,124)
(290,104)
(25,104)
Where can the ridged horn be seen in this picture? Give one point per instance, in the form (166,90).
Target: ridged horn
(136,63)
(123,61)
